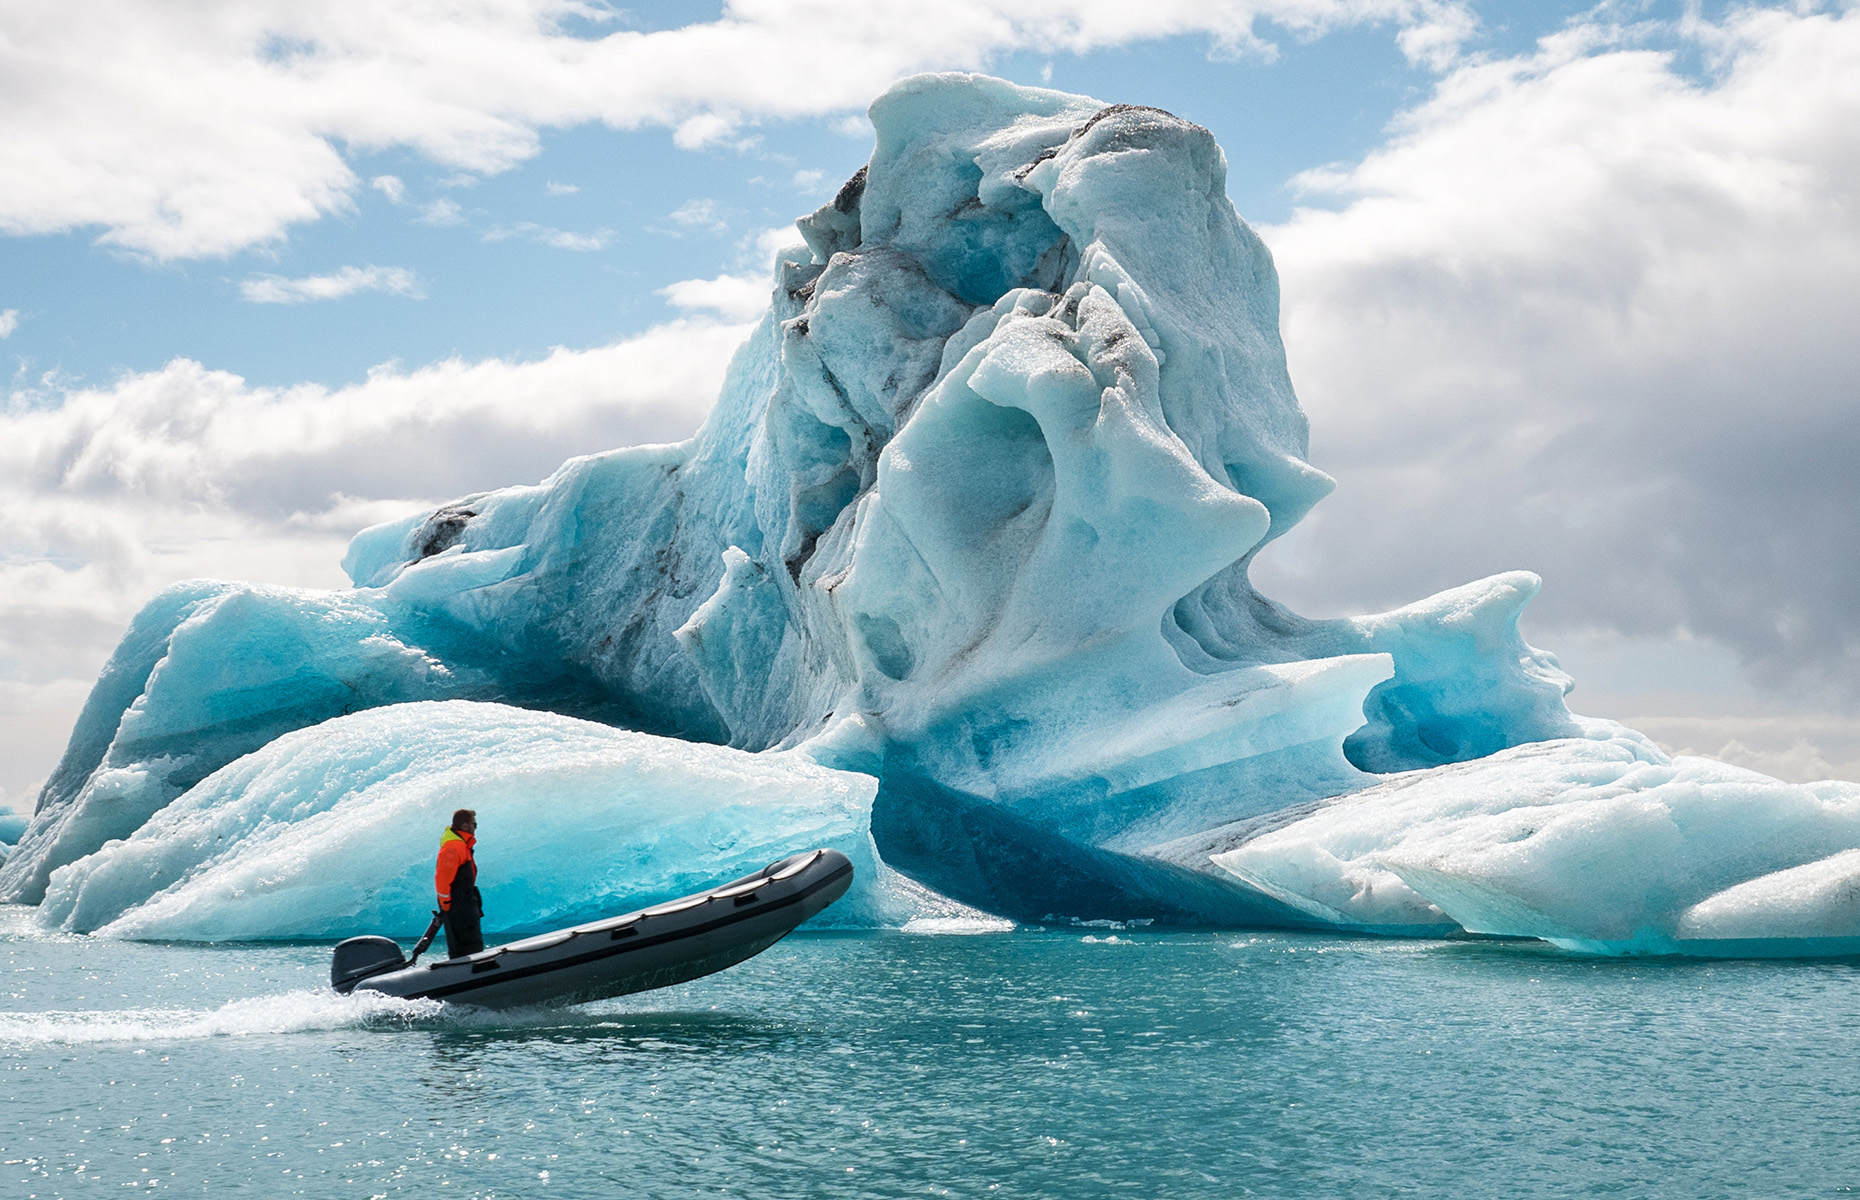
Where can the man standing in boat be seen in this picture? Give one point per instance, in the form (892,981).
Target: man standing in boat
(456,880)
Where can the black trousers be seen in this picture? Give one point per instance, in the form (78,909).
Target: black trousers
(463,935)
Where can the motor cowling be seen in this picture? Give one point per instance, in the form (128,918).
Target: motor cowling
(359,957)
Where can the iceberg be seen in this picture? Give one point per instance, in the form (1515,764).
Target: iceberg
(332,829)
(1600,845)
(209,672)
(973,517)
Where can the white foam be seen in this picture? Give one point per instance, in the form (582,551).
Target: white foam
(959,925)
(302,1011)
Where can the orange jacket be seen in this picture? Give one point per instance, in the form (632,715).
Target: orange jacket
(455,865)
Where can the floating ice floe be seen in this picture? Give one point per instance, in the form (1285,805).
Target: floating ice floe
(973,516)
(1602,845)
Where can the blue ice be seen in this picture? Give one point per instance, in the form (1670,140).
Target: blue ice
(973,516)
(332,829)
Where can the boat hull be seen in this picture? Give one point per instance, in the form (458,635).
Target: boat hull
(657,947)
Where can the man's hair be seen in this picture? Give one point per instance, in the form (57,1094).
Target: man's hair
(464,816)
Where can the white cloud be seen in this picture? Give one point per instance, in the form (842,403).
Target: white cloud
(560,189)
(9,321)
(807,181)
(744,295)
(1796,748)
(704,129)
(390,186)
(761,249)
(1435,41)
(699,214)
(186,435)
(275,289)
(561,239)
(733,297)
(181,131)
(109,493)
(33,718)
(1590,316)
(442,211)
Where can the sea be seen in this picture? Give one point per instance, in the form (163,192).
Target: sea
(1066,1062)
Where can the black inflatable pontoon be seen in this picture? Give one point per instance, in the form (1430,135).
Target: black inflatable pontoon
(636,952)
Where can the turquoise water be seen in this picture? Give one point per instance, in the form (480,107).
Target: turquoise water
(1034,1063)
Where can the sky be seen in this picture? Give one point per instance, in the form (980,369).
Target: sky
(1571,288)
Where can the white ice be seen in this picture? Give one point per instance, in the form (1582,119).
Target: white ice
(1601,845)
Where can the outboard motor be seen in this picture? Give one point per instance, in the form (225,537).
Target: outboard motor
(359,957)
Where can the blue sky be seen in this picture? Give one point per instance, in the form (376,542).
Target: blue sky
(490,284)
(1567,287)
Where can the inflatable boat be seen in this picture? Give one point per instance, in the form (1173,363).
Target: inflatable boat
(652,948)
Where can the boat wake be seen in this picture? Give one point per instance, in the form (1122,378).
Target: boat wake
(301,1011)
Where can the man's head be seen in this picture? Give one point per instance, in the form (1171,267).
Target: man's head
(465,821)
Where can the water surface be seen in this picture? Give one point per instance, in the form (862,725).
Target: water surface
(1063,1063)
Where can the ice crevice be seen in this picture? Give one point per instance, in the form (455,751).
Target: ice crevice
(954,577)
